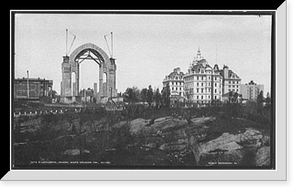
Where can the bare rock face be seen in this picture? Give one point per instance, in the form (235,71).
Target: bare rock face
(166,133)
(75,152)
(251,136)
(224,148)
(232,149)
(263,156)
(137,125)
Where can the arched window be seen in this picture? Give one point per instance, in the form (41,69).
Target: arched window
(73,84)
(104,77)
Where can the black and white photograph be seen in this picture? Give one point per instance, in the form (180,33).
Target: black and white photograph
(143,90)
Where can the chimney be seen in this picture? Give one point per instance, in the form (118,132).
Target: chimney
(225,69)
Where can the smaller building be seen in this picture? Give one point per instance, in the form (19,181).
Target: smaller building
(32,88)
(231,81)
(175,81)
(251,90)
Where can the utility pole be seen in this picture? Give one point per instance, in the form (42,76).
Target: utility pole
(66,42)
(27,84)
(216,55)
(112,49)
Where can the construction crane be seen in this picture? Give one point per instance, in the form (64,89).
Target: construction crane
(111,41)
(74,37)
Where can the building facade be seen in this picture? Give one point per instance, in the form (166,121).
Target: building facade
(31,88)
(231,81)
(176,84)
(202,83)
(251,90)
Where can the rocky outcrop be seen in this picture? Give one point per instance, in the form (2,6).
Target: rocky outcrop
(164,140)
(166,133)
(75,152)
(263,156)
(232,149)
(137,125)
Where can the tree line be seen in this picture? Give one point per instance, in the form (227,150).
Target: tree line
(155,98)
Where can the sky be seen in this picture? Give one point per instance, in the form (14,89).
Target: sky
(147,47)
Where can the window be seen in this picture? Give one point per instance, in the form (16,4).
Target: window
(229,90)
(201,84)
(215,97)
(197,97)
(229,82)
(201,90)
(208,97)
(172,88)
(197,77)
(215,90)
(202,97)
(215,84)
(197,90)
(197,84)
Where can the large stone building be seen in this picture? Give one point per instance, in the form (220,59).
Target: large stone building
(31,88)
(176,83)
(202,83)
(251,90)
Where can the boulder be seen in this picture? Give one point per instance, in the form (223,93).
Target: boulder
(173,147)
(232,148)
(137,125)
(150,145)
(75,152)
(263,156)
(120,124)
(224,139)
(202,120)
(251,138)
(166,123)
(265,140)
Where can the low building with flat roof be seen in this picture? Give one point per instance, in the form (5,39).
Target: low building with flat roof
(31,88)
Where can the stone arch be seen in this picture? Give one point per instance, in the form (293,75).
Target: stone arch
(71,65)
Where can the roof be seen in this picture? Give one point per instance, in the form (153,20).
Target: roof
(230,74)
(174,74)
(33,79)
